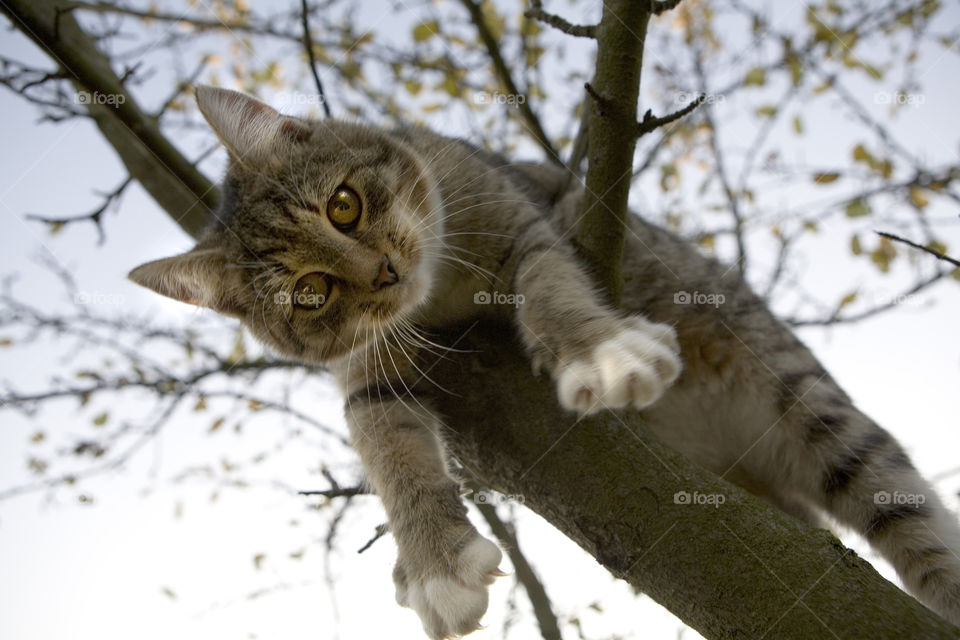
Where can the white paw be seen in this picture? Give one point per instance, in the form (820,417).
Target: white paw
(451,604)
(633,368)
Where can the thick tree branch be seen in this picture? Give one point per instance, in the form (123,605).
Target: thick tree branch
(172,180)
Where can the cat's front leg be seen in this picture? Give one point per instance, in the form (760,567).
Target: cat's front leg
(444,566)
(599,358)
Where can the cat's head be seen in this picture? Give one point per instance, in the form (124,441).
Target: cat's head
(325,234)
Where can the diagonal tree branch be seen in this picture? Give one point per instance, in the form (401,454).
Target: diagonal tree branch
(503,73)
(172,180)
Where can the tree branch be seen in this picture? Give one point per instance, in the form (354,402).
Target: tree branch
(526,576)
(533,125)
(937,254)
(311,57)
(536,12)
(172,180)
(651,122)
(612,111)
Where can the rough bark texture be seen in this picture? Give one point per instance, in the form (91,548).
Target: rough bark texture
(744,570)
(170,179)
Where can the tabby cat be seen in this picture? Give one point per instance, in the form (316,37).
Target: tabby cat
(337,243)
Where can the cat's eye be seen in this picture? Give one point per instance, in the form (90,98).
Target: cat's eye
(344,207)
(311,291)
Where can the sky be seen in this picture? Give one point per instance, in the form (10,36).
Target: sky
(160,555)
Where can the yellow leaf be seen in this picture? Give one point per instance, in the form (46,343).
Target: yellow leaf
(425,30)
(855,247)
(917,197)
(857,208)
(101,419)
(797,125)
(756,76)
(826,177)
(766,111)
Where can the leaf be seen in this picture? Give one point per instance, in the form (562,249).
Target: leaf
(5,342)
(425,30)
(216,425)
(38,437)
(847,299)
(855,247)
(766,111)
(756,77)
(413,87)
(201,404)
(167,591)
(258,560)
(797,125)
(101,419)
(826,177)
(857,208)
(917,197)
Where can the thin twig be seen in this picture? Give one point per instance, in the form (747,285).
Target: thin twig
(308,45)
(503,72)
(651,122)
(933,252)
(536,12)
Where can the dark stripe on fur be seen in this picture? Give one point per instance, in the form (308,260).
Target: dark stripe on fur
(378,392)
(889,515)
(844,471)
(824,427)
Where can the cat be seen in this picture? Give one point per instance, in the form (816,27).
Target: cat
(338,243)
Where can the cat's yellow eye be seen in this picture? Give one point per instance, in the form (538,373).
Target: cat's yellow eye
(344,207)
(311,291)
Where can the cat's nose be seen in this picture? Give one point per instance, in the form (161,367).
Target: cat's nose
(385,275)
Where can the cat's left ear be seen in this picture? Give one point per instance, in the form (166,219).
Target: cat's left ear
(252,131)
(196,277)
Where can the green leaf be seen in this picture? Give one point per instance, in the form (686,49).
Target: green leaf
(766,111)
(756,77)
(826,177)
(425,30)
(857,208)
(855,247)
(101,419)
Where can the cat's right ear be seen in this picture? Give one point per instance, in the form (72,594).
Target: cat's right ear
(196,277)
(252,131)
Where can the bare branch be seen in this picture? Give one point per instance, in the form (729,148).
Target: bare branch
(658,7)
(542,607)
(95,216)
(536,12)
(933,252)
(311,56)
(533,125)
(651,122)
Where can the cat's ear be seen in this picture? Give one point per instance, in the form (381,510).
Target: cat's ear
(196,277)
(252,131)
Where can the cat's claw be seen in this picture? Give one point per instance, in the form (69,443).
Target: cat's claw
(451,605)
(633,368)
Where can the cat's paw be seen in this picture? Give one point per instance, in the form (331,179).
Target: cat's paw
(632,368)
(450,601)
